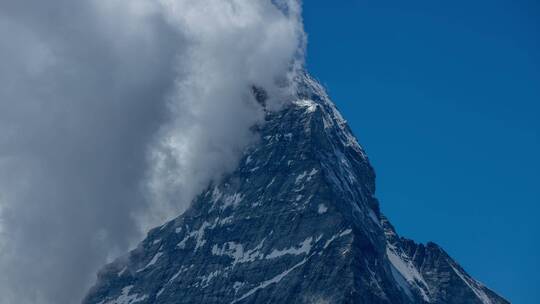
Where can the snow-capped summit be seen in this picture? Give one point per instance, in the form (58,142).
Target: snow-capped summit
(296,222)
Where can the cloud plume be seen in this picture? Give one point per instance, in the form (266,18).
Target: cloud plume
(114,114)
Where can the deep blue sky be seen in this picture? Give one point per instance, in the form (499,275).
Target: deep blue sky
(445,98)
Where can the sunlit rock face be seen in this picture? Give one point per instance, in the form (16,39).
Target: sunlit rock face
(296,222)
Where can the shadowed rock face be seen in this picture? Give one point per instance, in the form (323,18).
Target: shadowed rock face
(296,222)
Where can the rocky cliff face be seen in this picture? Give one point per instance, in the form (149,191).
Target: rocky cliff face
(296,222)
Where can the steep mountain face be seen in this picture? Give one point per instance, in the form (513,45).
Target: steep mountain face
(296,222)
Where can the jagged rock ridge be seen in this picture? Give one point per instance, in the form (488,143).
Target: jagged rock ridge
(296,222)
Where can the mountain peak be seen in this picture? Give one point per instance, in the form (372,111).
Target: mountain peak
(296,222)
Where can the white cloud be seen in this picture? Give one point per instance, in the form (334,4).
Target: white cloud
(233,45)
(113,114)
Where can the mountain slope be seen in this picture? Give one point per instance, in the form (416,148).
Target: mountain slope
(296,222)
